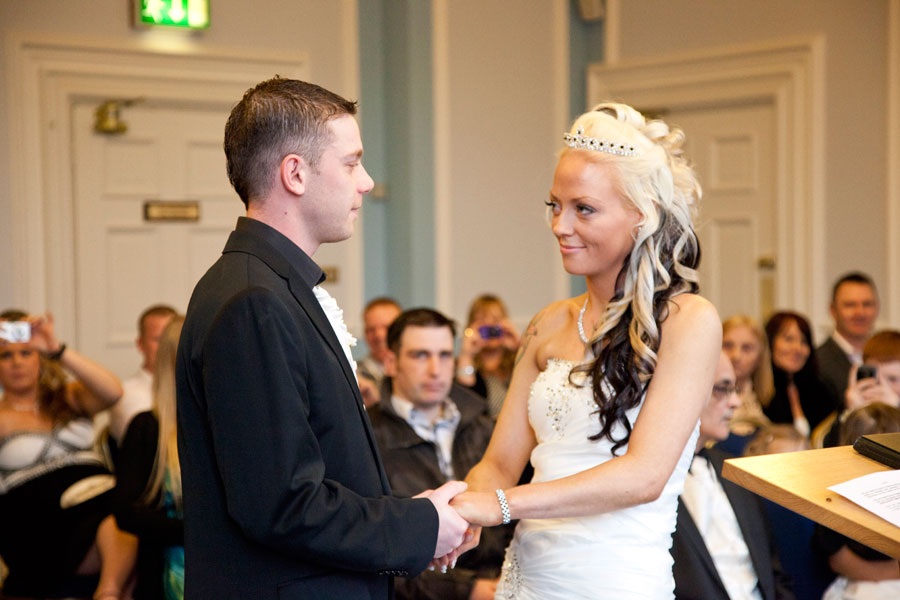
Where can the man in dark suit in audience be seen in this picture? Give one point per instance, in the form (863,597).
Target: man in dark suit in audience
(285,495)
(431,430)
(854,308)
(722,547)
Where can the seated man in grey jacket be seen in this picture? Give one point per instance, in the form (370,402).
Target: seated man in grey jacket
(430,430)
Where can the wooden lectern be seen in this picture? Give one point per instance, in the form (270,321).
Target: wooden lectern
(799,481)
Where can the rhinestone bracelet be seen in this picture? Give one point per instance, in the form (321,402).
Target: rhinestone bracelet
(504,507)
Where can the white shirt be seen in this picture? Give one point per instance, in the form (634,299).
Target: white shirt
(336,319)
(439,432)
(852,353)
(137,397)
(712,513)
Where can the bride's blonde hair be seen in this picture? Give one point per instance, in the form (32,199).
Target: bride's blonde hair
(652,174)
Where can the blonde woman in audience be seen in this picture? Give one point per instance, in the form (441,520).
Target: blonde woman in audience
(148,491)
(744,341)
(57,533)
(608,387)
(863,573)
(488,351)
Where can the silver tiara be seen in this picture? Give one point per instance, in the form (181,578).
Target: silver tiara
(579,140)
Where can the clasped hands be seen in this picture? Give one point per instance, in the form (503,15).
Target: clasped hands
(461,516)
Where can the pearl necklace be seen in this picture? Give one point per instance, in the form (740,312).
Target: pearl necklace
(581,334)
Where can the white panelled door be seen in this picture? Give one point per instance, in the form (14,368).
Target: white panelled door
(123,262)
(733,151)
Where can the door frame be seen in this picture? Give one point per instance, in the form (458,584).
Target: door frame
(789,75)
(48,75)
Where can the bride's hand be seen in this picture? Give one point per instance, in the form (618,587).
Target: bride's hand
(471,539)
(478,508)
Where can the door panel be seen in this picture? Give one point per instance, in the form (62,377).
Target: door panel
(123,262)
(732,149)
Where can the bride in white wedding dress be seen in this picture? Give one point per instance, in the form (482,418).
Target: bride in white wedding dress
(608,387)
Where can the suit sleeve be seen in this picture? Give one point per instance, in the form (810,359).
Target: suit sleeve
(256,369)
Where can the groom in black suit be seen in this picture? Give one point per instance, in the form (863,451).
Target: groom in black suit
(285,495)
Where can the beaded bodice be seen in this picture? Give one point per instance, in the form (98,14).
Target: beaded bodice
(563,414)
(618,554)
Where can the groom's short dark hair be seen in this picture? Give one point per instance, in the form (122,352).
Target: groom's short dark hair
(416,317)
(276,118)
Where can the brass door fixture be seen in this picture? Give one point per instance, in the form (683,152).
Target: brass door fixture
(108,120)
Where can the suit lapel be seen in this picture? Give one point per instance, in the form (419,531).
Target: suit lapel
(688,530)
(308,302)
(245,241)
(742,505)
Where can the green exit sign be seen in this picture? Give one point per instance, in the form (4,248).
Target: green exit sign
(186,14)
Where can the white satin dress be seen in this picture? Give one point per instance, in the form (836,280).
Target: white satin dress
(618,555)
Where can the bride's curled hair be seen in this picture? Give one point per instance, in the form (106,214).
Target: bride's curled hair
(652,174)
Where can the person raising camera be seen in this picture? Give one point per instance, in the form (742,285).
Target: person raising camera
(876,380)
(59,538)
(488,351)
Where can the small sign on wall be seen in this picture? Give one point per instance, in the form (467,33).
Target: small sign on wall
(166,210)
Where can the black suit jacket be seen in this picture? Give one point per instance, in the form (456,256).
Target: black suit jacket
(284,491)
(834,369)
(696,577)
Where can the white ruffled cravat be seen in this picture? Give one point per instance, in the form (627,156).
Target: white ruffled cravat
(336,318)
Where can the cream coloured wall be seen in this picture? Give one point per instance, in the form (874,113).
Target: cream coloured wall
(501,106)
(502,101)
(321,30)
(855,71)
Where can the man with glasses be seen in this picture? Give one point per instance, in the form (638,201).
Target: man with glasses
(722,546)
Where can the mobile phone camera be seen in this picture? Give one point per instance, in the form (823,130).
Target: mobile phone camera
(866,372)
(15,332)
(490,332)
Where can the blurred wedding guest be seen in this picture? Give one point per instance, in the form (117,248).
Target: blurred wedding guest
(137,396)
(792,532)
(148,486)
(722,545)
(744,341)
(488,351)
(776,439)
(862,572)
(429,431)
(854,308)
(876,380)
(800,398)
(58,537)
(881,381)
(377,317)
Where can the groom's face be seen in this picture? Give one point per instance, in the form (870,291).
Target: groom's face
(422,367)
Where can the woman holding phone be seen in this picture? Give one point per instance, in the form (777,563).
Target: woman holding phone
(58,537)
(488,351)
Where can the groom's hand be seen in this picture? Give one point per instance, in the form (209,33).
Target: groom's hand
(452,527)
